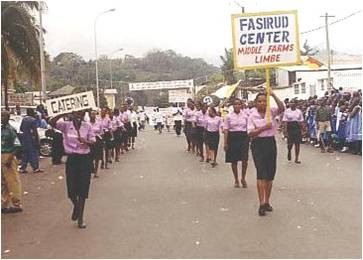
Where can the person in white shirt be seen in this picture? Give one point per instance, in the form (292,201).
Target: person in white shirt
(178,117)
(134,126)
(159,120)
(142,119)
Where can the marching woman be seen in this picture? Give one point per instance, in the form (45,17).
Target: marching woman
(97,147)
(77,138)
(115,132)
(263,146)
(236,141)
(134,126)
(106,136)
(127,125)
(213,125)
(293,119)
(120,133)
(189,123)
(201,122)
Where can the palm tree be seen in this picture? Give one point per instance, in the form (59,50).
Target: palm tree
(228,67)
(20,52)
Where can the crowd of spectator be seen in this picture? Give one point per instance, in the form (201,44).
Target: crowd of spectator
(338,112)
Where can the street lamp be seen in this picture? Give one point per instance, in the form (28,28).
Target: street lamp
(111,63)
(97,88)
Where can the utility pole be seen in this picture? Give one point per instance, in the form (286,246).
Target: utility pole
(41,45)
(328,48)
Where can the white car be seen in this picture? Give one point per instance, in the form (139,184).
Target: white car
(45,142)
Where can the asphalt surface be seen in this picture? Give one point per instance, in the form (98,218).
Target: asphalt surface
(161,202)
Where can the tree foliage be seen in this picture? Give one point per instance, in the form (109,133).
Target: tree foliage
(20,52)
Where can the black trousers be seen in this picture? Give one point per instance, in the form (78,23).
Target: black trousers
(57,148)
(178,126)
(78,175)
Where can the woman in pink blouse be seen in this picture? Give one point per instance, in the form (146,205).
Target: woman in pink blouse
(213,125)
(293,119)
(236,141)
(97,147)
(263,146)
(77,138)
(201,121)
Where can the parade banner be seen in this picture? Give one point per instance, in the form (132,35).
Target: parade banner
(174,84)
(70,103)
(265,39)
(177,96)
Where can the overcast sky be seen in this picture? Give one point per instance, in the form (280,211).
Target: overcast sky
(195,28)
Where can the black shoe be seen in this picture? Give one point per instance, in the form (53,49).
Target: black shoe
(289,155)
(74,216)
(262,210)
(268,207)
(82,225)
(12,210)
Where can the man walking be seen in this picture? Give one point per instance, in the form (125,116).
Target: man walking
(323,118)
(30,142)
(10,181)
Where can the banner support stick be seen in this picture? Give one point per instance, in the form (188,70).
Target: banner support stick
(268,89)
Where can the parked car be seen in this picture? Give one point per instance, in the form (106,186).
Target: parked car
(45,141)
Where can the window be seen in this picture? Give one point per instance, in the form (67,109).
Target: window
(321,83)
(296,88)
(303,88)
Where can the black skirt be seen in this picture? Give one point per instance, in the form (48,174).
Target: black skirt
(212,140)
(264,153)
(78,175)
(108,140)
(200,135)
(134,130)
(128,127)
(293,133)
(97,149)
(117,136)
(238,144)
(190,131)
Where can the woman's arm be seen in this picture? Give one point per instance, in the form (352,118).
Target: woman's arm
(280,104)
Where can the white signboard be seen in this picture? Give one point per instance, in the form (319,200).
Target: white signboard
(174,84)
(179,95)
(70,103)
(265,39)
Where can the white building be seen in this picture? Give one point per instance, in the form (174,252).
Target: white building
(309,79)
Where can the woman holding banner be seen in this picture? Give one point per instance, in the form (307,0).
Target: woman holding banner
(78,136)
(236,141)
(263,146)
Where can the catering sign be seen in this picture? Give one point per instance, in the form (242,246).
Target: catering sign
(70,103)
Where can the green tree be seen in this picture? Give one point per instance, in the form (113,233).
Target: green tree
(19,42)
(228,67)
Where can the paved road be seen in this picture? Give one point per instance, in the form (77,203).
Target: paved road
(161,202)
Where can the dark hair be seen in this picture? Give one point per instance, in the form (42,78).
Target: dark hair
(236,99)
(30,112)
(260,94)
(213,110)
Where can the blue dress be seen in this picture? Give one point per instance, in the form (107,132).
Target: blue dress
(355,127)
(311,122)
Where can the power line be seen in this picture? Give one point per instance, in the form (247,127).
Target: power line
(336,21)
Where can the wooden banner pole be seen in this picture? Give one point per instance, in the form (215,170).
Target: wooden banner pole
(268,89)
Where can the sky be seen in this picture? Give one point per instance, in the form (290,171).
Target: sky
(194,28)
